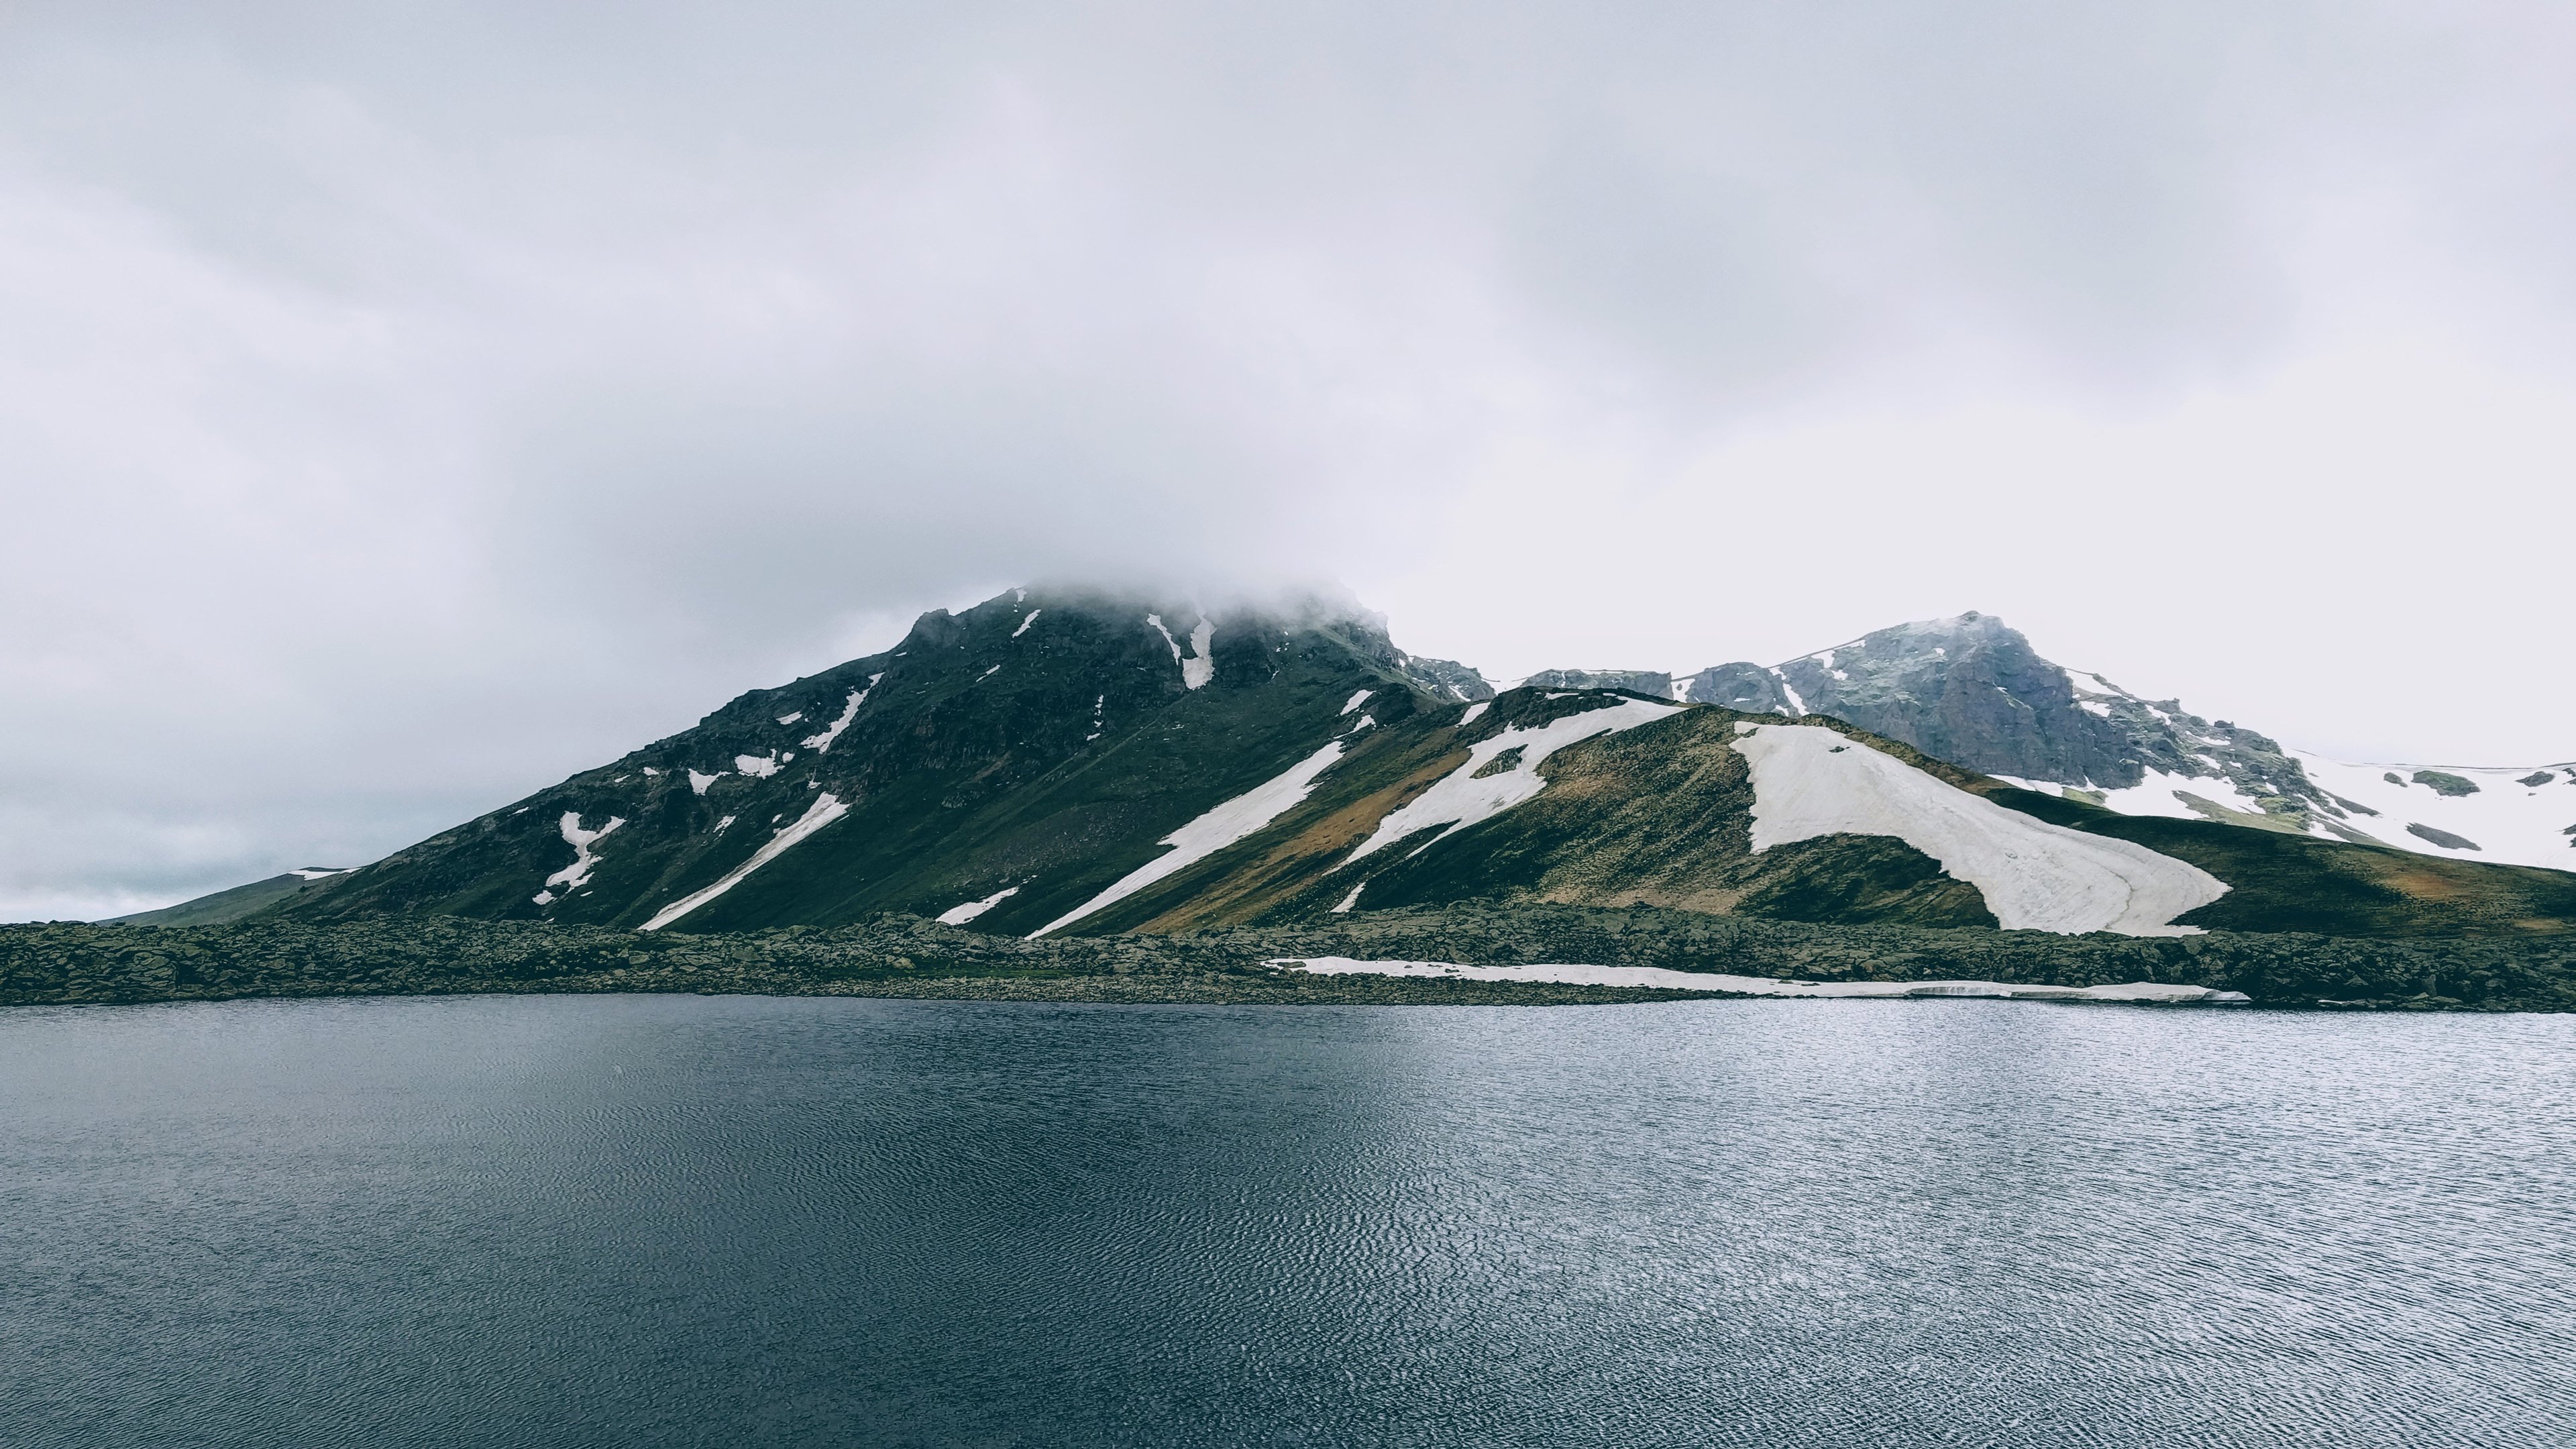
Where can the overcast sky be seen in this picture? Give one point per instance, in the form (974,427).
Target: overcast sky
(400,411)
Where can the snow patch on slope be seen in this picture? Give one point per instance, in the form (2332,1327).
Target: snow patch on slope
(1657,978)
(1015,633)
(1810,781)
(822,743)
(1460,799)
(584,859)
(1357,700)
(1199,668)
(757,767)
(699,780)
(1790,692)
(824,810)
(1214,831)
(1196,667)
(960,915)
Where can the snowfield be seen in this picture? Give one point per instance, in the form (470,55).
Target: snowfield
(1659,979)
(2510,822)
(2159,794)
(1214,831)
(1460,799)
(1810,781)
(824,810)
(2505,820)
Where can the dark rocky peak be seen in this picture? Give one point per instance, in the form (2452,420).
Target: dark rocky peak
(1749,688)
(1446,678)
(1970,689)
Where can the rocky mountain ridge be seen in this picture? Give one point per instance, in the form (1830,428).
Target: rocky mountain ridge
(1067,762)
(1073,762)
(1971,690)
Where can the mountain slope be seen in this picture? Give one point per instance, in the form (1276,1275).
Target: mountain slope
(231,905)
(1039,742)
(1674,809)
(2330,888)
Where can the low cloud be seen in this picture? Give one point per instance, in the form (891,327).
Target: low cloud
(399,414)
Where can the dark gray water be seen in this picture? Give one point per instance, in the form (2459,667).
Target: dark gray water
(738,1221)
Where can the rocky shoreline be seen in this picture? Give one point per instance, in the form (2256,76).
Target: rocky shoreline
(63,963)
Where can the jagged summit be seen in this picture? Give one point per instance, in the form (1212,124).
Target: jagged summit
(1970,689)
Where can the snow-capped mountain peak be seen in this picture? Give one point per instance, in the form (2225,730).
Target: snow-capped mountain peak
(1970,689)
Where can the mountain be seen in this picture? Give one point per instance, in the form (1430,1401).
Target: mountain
(1020,753)
(1972,690)
(1065,761)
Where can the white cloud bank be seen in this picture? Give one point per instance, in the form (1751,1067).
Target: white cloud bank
(367,379)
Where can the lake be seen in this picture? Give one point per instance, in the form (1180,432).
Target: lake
(673,1220)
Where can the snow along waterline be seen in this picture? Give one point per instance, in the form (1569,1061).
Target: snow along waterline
(1214,831)
(1657,978)
(1810,781)
(825,809)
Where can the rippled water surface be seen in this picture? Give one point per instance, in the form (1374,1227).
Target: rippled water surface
(739,1221)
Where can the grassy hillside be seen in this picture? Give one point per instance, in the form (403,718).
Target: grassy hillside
(222,906)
